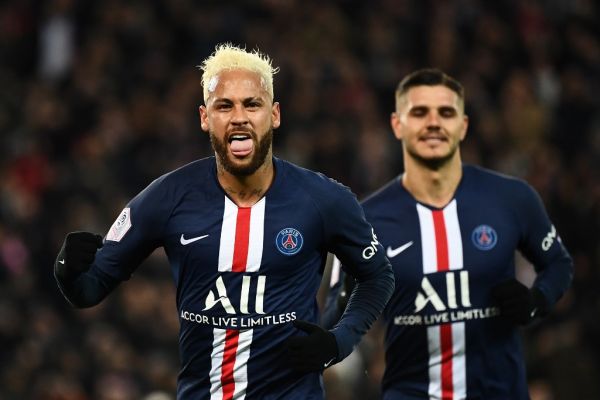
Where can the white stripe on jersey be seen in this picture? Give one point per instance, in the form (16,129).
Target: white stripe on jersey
(435,362)
(216,362)
(257,231)
(435,334)
(240,371)
(427,239)
(459,361)
(232,367)
(428,243)
(240,367)
(227,242)
(256,236)
(455,249)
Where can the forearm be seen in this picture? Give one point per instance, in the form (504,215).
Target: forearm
(86,290)
(332,312)
(555,279)
(366,303)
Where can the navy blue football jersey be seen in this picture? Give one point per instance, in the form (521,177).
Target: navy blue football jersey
(444,337)
(242,274)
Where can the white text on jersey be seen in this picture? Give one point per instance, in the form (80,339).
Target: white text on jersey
(371,249)
(429,295)
(212,300)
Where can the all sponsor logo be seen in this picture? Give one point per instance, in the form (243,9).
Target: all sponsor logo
(428,295)
(223,298)
(451,305)
(222,310)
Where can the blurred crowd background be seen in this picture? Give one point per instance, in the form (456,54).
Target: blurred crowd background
(98,98)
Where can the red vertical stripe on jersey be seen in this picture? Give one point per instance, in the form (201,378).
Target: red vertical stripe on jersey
(240,257)
(242,237)
(227,382)
(441,248)
(441,241)
(446,342)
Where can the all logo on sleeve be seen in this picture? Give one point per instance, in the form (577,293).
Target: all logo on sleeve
(484,237)
(289,241)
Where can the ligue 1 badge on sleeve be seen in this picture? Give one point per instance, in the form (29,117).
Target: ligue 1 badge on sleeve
(289,241)
(120,227)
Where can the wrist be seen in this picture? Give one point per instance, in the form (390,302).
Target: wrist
(539,304)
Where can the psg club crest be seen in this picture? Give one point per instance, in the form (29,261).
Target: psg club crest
(484,237)
(289,241)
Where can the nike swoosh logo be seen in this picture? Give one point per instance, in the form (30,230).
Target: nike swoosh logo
(328,363)
(61,261)
(185,241)
(391,253)
(532,313)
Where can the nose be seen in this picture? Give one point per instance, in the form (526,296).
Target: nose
(433,120)
(239,115)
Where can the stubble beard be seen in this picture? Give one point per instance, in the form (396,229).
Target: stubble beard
(432,163)
(261,150)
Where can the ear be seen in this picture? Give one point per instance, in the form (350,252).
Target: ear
(396,125)
(276,115)
(463,134)
(203,118)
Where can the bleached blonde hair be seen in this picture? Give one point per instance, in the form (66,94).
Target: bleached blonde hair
(228,57)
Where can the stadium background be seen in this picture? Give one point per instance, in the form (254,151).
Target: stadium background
(98,98)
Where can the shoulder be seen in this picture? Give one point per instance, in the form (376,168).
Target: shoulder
(391,196)
(331,199)
(199,169)
(313,183)
(503,189)
(497,183)
(180,179)
(390,190)
(168,186)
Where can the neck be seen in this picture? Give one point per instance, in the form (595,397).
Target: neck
(435,187)
(245,191)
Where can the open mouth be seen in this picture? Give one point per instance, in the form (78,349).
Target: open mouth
(241,144)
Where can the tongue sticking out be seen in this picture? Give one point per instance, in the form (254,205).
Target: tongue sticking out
(241,148)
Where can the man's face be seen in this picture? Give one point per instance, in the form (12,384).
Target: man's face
(431,123)
(240,117)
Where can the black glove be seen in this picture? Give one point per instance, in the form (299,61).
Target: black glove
(77,254)
(517,303)
(312,353)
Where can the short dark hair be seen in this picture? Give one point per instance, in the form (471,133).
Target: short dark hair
(429,77)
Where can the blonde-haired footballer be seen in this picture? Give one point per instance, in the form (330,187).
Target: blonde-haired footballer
(247,235)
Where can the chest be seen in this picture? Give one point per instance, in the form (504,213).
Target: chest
(478,240)
(207,238)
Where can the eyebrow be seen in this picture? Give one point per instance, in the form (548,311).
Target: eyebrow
(244,101)
(423,107)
